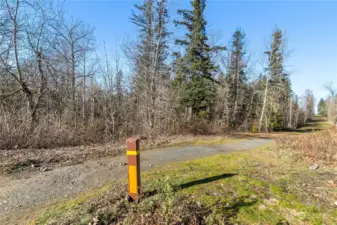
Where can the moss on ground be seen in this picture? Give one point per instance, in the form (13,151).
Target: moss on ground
(200,142)
(317,123)
(67,208)
(252,187)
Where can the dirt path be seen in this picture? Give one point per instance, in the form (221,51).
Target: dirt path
(42,187)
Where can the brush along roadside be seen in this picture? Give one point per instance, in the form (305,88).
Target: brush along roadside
(316,147)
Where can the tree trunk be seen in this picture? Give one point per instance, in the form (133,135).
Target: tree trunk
(83,91)
(6,118)
(92,102)
(250,109)
(290,120)
(233,123)
(296,118)
(264,103)
(73,81)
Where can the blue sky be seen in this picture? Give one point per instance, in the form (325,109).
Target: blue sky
(310,28)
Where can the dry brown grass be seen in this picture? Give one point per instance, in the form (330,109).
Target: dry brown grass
(318,146)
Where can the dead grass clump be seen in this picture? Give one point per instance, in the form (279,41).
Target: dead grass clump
(318,146)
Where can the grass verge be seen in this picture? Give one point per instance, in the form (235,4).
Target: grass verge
(262,186)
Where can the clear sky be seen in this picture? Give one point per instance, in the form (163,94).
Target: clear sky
(310,28)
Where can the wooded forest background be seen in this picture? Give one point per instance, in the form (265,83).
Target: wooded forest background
(56,90)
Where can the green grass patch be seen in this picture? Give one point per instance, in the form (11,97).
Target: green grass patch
(21,166)
(200,142)
(317,123)
(67,208)
(251,187)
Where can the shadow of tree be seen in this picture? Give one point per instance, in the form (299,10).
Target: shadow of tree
(232,208)
(300,130)
(227,212)
(219,211)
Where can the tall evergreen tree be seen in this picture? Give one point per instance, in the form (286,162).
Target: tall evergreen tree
(237,79)
(321,108)
(280,85)
(149,57)
(196,65)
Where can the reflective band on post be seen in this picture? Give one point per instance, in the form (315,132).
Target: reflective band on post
(133,186)
(132,152)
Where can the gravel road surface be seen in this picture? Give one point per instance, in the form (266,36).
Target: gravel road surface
(39,188)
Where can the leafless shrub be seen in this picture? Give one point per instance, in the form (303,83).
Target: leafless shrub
(318,146)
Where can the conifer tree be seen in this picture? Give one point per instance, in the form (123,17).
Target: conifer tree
(237,80)
(280,85)
(196,64)
(149,58)
(321,108)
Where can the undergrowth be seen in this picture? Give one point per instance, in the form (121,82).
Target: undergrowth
(318,146)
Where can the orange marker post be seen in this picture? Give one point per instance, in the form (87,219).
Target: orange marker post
(133,168)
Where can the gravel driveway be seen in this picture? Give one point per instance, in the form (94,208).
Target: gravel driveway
(39,188)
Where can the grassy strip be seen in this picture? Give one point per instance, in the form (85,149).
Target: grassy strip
(61,208)
(252,187)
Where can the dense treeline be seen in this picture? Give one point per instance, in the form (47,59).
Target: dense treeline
(54,90)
